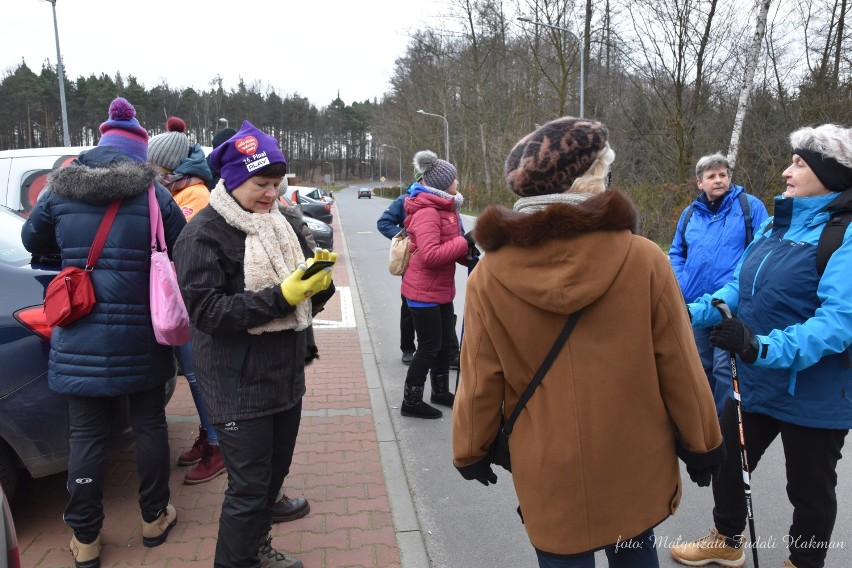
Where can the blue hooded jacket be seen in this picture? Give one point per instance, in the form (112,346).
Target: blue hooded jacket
(112,350)
(714,243)
(803,322)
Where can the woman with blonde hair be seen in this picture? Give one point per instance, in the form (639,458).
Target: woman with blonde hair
(595,450)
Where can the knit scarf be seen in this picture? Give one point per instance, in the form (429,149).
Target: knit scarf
(272,254)
(539,202)
(458,198)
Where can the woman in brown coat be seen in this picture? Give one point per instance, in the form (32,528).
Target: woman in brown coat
(595,450)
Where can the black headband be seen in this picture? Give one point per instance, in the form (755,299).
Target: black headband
(833,175)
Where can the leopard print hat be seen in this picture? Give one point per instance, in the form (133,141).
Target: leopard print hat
(549,159)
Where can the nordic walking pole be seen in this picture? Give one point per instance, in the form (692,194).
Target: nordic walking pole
(735,379)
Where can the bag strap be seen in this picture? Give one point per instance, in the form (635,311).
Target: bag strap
(545,366)
(155,215)
(744,205)
(101,235)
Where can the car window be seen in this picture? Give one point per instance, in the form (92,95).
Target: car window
(12,251)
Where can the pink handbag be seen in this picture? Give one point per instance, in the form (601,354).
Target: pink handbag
(168,312)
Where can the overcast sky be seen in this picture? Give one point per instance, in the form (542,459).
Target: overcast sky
(311,47)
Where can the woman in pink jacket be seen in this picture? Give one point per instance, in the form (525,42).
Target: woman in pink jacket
(438,242)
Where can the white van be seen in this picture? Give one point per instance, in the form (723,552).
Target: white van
(23,173)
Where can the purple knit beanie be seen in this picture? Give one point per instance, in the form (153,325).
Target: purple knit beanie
(244,155)
(123,131)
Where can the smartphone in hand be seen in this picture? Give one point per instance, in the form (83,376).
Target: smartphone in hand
(316,267)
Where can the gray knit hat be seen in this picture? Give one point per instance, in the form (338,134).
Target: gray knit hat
(437,173)
(167,150)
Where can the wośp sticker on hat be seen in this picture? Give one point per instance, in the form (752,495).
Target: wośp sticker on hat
(248,145)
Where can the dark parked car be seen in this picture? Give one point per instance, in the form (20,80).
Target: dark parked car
(365,192)
(9,551)
(319,210)
(33,419)
(322,232)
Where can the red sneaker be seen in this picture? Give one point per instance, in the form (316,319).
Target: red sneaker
(193,455)
(209,467)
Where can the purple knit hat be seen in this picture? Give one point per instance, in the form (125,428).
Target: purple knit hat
(244,155)
(123,131)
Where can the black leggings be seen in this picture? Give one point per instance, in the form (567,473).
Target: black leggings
(811,456)
(435,333)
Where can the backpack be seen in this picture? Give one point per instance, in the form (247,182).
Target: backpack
(831,237)
(744,205)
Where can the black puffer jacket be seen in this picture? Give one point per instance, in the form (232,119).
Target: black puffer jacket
(242,376)
(112,350)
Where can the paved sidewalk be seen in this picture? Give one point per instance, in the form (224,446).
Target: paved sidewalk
(346,464)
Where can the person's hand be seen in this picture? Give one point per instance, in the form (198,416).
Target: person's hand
(468,236)
(297,290)
(732,334)
(480,471)
(702,476)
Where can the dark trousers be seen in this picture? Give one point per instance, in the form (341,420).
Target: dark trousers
(435,334)
(91,420)
(257,455)
(406,328)
(811,456)
(638,552)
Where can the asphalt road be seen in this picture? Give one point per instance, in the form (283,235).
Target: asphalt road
(466,525)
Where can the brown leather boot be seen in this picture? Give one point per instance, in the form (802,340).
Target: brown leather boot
(86,555)
(155,532)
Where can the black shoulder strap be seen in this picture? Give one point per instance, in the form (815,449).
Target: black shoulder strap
(686,218)
(545,366)
(831,238)
(744,205)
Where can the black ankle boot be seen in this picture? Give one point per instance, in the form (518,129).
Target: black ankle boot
(413,405)
(441,389)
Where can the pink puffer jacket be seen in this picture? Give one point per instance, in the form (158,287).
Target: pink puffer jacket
(436,245)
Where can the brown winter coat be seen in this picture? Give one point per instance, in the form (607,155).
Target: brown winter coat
(594,451)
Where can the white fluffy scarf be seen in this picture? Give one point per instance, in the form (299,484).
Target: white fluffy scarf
(273,253)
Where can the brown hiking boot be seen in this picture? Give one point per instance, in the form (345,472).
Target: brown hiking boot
(271,558)
(789,564)
(86,555)
(712,549)
(286,509)
(193,455)
(210,466)
(155,532)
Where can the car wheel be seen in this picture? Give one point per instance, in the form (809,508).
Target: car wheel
(8,471)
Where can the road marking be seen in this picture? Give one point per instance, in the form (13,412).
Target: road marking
(346,311)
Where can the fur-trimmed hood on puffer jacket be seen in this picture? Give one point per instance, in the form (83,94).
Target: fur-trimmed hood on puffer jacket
(595,450)
(112,350)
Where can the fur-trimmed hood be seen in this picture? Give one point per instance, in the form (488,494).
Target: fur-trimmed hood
(608,211)
(563,257)
(97,176)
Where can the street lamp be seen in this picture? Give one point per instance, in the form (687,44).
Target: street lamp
(446,131)
(66,137)
(582,58)
(332,171)
(400,164)
(224,121)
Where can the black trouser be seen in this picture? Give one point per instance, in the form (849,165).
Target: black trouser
(435,333)
(811,456)
(406,328)
(257,455)
(91,420)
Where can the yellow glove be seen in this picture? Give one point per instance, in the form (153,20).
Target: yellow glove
(296,290)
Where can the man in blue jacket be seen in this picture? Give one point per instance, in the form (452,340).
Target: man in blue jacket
(711,236)
(389,224)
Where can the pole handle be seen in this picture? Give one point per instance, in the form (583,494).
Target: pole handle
(723,308)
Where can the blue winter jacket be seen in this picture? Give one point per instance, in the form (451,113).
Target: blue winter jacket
(803,322)
(390,223)
(714,243)
(112,350)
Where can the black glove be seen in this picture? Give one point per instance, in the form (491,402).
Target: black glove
(480,471)
(702,476)
(732,334)
(468,236)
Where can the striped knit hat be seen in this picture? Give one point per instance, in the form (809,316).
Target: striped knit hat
(168,149)
(123,131)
